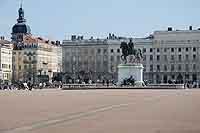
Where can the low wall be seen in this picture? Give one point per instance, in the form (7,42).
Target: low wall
(95,86)
(166,86)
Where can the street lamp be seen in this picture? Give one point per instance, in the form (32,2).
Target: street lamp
(74,68)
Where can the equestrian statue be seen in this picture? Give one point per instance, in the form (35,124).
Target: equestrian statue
(129,50)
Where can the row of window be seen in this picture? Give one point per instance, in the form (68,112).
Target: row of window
(26,53)
(112,50)
(172,67)
(151,58)
(169,49)
(105,51)
(6,52)
(6,66)
(99,51)
(29,53)
(176,41)
(172,58)
(30,66)
(25,58)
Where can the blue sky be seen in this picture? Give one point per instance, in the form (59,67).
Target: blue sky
(58,19)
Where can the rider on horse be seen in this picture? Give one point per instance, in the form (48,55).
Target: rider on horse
(128,49)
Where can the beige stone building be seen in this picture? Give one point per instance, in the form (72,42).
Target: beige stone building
(174,55)
(5,61)
(95,59)
(37,60)
(85,59)
(168,55)
(34,59)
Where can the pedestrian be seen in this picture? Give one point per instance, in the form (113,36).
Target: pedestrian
(44,85)
(40,85)
(60,84)
(103,82)
(107,82)
(25,85)
(90,81)
(30,85)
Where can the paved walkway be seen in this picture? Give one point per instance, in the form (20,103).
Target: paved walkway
(100,111)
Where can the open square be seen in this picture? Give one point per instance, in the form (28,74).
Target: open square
(100,111)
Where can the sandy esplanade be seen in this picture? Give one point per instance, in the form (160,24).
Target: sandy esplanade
(100,111)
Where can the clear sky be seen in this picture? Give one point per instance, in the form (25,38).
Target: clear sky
(58,19)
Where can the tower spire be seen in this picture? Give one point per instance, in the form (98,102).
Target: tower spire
(21,3)
(21,13)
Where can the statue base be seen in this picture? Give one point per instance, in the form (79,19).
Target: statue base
(134,70)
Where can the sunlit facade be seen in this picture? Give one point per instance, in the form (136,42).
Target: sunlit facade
(5,61)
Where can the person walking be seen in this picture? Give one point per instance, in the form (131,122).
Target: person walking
(26,85)
(107,83)
(40,85)
(29,85)
(103,82)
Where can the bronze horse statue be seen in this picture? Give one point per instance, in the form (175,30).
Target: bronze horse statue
(128,49)
(125,51)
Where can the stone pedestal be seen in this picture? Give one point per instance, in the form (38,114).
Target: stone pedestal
(135,70)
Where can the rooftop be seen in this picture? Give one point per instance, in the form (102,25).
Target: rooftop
(29,39)
(3,41)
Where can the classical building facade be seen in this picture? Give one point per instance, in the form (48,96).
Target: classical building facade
(174,55)
(5,61)
(94,59)
(34,58)
(168,55)
(85,59)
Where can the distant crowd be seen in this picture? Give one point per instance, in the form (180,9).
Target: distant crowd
(29,86)
(104,82)
(58,84)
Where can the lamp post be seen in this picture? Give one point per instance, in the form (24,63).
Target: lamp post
(74,68)
(74,73)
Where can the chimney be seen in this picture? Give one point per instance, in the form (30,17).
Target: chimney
(73,37)
(170,29)
(190,28)
(110,36)
(57,42)
(2,37)
(113,36)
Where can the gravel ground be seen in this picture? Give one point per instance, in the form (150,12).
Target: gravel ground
(100,111)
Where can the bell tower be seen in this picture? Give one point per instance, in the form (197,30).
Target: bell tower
(20,29)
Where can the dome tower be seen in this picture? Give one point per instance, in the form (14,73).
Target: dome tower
(20,28)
